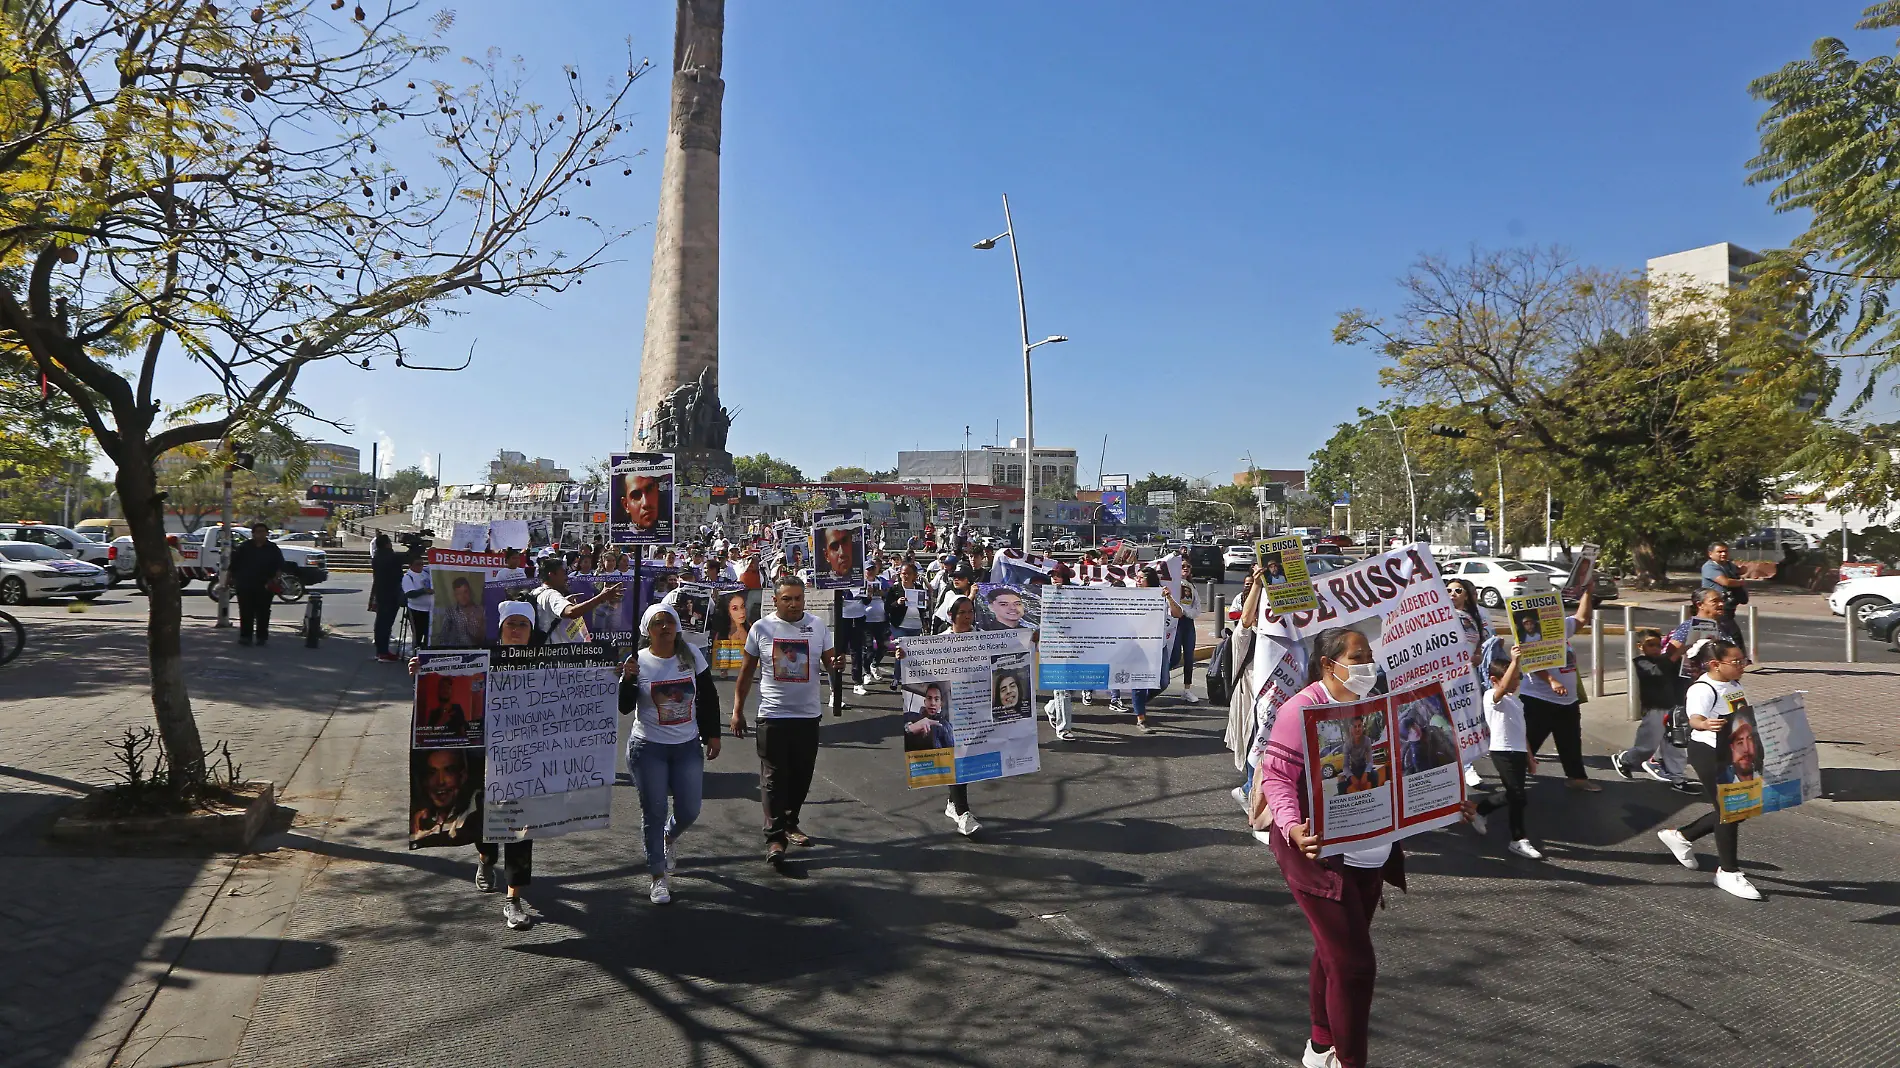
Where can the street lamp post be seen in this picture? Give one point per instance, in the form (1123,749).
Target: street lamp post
(1029,397)
(1406,457)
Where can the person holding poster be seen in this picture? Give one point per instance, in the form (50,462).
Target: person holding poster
(641,499)
(907,602)
(1713,703)
(1477,629)
(1504,716)
(1552,707)
(670,685)
(1711,620)
(1152,579)
(1339,894)
(558,616)
(1186,633)
(791,645)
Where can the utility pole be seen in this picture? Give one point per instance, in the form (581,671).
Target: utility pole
(1499,548)
(224,543)
(965,520)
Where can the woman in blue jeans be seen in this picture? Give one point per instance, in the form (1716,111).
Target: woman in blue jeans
(670,684)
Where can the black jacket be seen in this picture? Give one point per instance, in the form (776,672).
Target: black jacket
(386,570)
(255,563)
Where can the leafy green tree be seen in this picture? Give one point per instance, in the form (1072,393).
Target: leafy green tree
(1826,153)
(762,467)
(847,474)
(1660,419)
(199,190)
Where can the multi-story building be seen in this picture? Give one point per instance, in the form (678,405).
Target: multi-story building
(991,465)
(546,470)
(1687,282)
(330,462)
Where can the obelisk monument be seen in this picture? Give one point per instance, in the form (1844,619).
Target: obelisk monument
(678,408)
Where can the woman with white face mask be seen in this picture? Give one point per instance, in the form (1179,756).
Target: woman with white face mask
(1339,894)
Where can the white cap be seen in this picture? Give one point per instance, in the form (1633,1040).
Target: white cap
(511,609)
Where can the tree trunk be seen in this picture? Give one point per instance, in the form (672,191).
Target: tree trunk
(1652,566)
(171,704)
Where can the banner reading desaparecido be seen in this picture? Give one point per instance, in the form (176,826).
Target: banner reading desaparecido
(1766,758)
(1102,637)
(837,548)
(1583,572)
(446,733)
(1537,625)
(967,707)
(1356,796)
(1000,606)
(1398,601)
(640,498)
(1289,587)
(552,724)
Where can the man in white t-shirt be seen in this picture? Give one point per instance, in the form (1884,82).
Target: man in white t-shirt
(558,615)
(786,649)
(419,595)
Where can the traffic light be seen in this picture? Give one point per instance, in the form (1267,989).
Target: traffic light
(243,459)
(1444,430)
(1556,510)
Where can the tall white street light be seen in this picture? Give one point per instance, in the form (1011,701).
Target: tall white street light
(1029,396)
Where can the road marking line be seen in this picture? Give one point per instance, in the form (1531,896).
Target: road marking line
(1209,1018)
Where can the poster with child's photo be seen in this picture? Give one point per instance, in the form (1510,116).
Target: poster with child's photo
(1010,694)
(1537,626)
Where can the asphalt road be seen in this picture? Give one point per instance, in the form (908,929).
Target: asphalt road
(1111,911)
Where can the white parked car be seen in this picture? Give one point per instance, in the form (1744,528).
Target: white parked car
(30,571)
(122,557)
(1497,578)
(1862,595)
(1237,558)
(69,542)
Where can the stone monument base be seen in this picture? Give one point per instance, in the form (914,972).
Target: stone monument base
(703,467)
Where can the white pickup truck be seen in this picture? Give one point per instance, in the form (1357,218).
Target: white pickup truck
(196,556)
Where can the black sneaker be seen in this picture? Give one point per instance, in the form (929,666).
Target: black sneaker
(244,639)
(1684,786)
(775,856)
(485,878)
(1617,765)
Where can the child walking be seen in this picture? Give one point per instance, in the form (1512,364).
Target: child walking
(1510,755)
(1659,684)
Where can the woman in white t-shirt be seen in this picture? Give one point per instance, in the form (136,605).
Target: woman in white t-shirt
(1709,702)
(670,685)
(1504,716)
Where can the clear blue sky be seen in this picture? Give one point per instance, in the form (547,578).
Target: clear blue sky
(1199,189)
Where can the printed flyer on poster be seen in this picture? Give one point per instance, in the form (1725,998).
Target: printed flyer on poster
(1398,601)
(608,621)
(693,606)
(1102,637)
(1699,629)
(469,537)
(794,547)
(1001,606)
(1583,572)
(1289,587)
(446,733)
(1537,626)
(553,721)
(504,534)
(837,547)
(1358,798)
(968,707)
(1766,758)
(458,620)
(640,500)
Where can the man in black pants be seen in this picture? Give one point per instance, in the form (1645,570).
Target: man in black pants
(253,565)
(786,649)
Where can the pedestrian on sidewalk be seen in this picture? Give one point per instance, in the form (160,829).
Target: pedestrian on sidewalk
(1553,707)
(670,685)
(1709,702)
(419,598)
(1340,894)
(1711,607)
(1660,687)
(785,650)
(1720,575)
(255,566)
(1504,717)
(385,592)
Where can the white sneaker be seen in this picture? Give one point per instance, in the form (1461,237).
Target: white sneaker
(1478,823)
(1655,771)
(872,674)
(1067,736)
(1191,697)
(514,912)
(1312,1058)
(1115,704)
(1523,848)
(661,894)
(965,821)
(1681,847)
(858,689)
(1265,838)
(1239,794)
(1736,883)
(1472,778)
(1088,697)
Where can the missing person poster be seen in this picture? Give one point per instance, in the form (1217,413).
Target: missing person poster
(794,547)
(694,606)
(540,532)
(1007,607)
(967,707)
(1398,601)
(469,537)
(507,534)
(460,581)
(446,732)
(1283,562)
(609,621)
(641,497)
(837,539)
(1382,769)
(1766,760)
(1583,573)
(1699,630)
(1537,626)
(552,726)
(1102,637)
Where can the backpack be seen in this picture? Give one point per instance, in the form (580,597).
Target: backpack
(1676,721)
(1219,687)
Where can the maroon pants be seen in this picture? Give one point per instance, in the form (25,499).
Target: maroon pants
(1339,986)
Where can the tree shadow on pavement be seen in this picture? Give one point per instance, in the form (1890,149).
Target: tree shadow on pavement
(1860,784)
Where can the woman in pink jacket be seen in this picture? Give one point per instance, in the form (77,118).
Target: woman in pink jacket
(1337,894)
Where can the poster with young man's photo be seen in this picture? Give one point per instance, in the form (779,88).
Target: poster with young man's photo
(838,549)
(641,496)
(1006,607)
